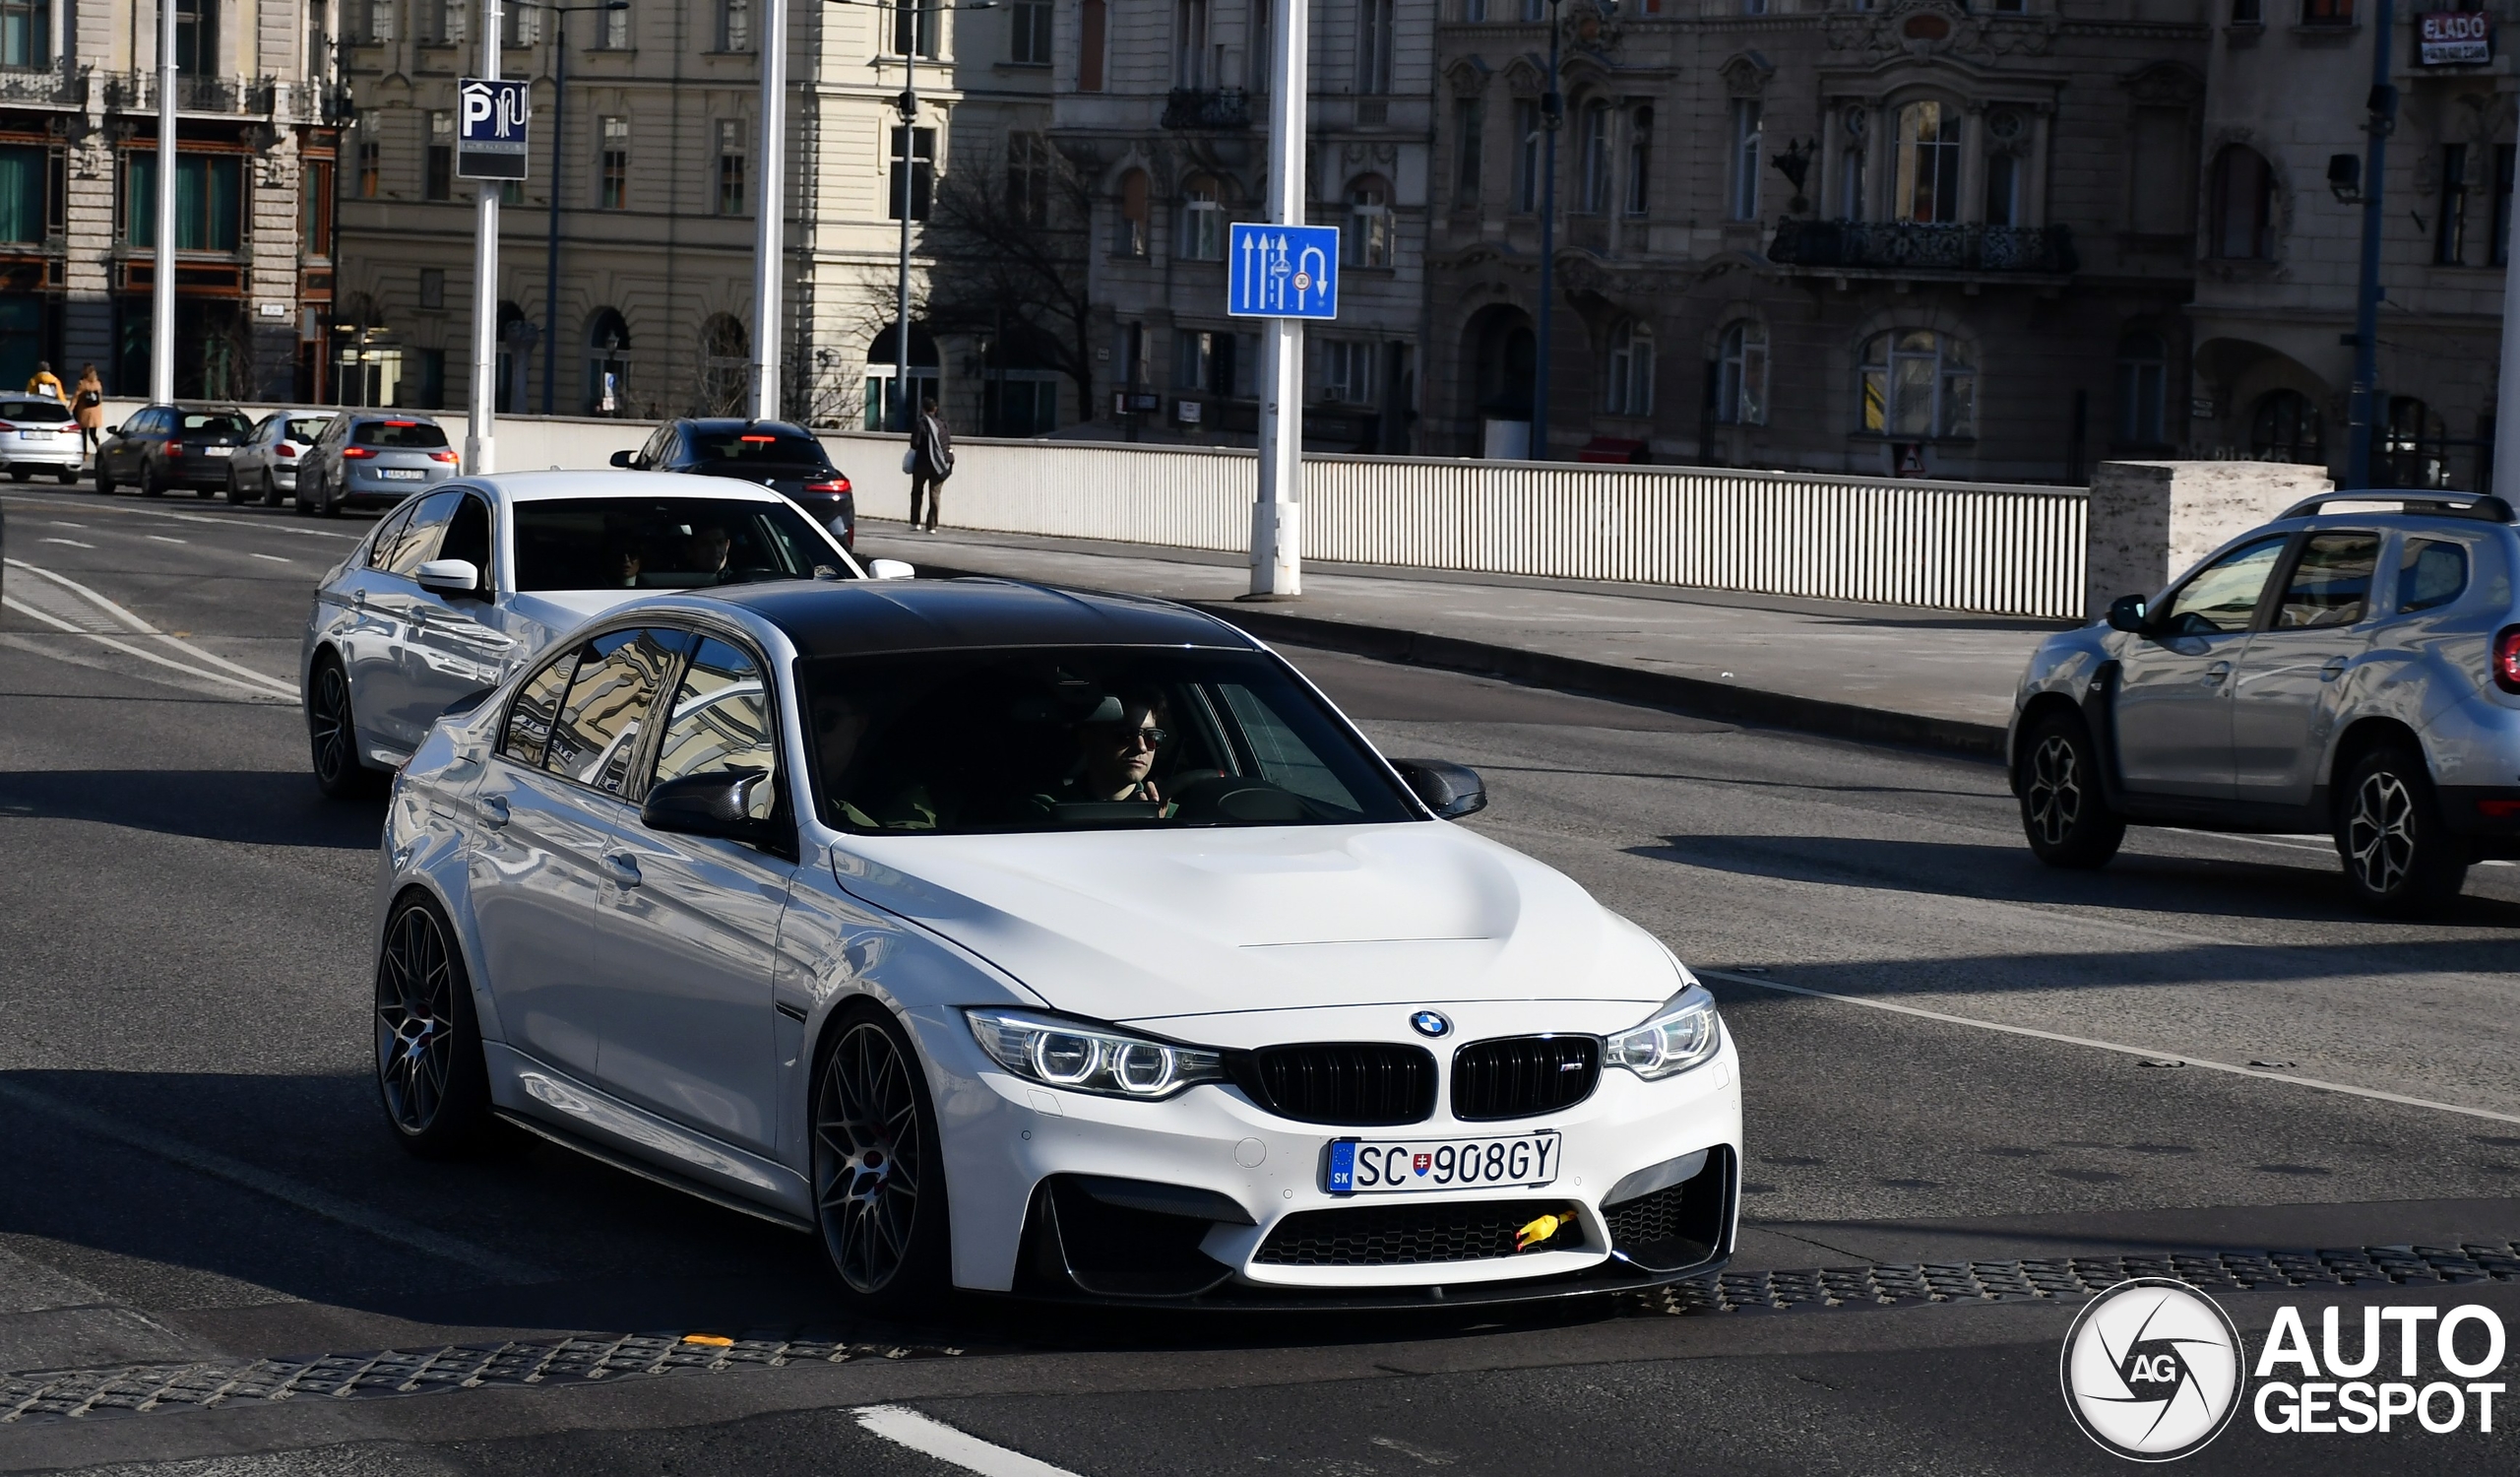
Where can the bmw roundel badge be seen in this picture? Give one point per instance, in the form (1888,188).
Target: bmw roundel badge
(1431,1023)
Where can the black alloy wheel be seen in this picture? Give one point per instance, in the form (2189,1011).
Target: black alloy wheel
(235,488)
(332,735)
(429,1071)
(2062,812)
(879,1182)
(151,483)
(104,479)
(2400,856)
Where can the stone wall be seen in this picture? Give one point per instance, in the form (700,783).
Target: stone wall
(2152,521)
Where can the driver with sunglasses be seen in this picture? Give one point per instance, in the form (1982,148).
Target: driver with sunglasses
(1115,748)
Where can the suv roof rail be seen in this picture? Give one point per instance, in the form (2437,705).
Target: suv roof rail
(2482,506)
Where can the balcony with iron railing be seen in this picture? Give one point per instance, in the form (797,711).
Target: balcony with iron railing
(1896,246)
(63,86)
(221,96)
(1206,110)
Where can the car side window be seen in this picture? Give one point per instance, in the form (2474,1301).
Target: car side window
(2432,572)
(538,701)
(2331,582)
(467,536)
(2222,598)
(596,736)
(419,542)
(388,537)
(720,722)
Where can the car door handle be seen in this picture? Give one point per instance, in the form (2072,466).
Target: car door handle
(2334,668)
(2215,673)
(494,810)
(621,869)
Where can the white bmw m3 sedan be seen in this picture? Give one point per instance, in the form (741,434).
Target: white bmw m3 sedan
(1023,940)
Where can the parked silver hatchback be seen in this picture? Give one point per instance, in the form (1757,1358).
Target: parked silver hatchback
(2352,667)
(372,459)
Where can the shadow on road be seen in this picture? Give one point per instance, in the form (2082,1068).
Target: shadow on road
(253,808)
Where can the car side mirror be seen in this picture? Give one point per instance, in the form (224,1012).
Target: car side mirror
(450,577)
(629,459)
(890,569)
(2126,613)
(1451,791)
(717,803)
(113,430)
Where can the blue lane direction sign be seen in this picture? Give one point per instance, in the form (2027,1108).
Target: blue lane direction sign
(489,132)
(1282,271)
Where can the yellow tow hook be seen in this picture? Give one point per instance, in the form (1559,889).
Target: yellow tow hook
(1540,1231)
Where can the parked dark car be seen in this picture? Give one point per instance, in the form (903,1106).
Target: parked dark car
(772,453)
(166,446)
(371,456)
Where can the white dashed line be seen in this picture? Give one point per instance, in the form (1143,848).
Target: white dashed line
(73,542)
(163,538)
(274,558)
(933,1438)
(65,523)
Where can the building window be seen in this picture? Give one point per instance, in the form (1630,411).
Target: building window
(454,21)
(1535,10)
(1594,180)
(1368,239)
(1128,237)
(1028,177)
(1469,127)
(1028,42)
(2450,231)
(523,26)
(1640,159)
(1189,44)
(607,364)
(1257,59)
(1203,361)
(2239,225)
(1918,383)
(2327,12)
(1628,383)
(914,152)
(1373,46)
(1928,185)
(1741,374)
(735,25)
(315,192)
(2012,7)
(2287,427)
(1742,193)
(380,15)
(25,32)
(1528,136)
(1348,371)
(366,129)
(732,200)
(2003,189)
(616,30)
(2414,449)
(1089,46)
(1202,221)
(612,165)
(2247,13)
(25,194)
(2143,368)
(433,288)
(438,174)
(2503,160)
(914,23)
(197,38)
(209,195)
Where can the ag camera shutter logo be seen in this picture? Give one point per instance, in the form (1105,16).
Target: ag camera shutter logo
(2152,1370)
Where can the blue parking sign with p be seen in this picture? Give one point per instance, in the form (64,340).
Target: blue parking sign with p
(491,116)
(1282,271)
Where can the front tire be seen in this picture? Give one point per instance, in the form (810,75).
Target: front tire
(332,735)
(2062,814)
(879,1172)
(104,479)
(430,1074)
(2401,858)
(235,488)
(271,491)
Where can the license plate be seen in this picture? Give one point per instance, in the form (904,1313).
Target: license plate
(219,451)
(34,434)
(400,473)
(1388,1167)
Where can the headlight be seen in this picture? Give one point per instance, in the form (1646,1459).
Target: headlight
(1683,1033)
(1084,1058)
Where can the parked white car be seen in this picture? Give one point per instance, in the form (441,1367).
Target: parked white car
(461,585)
(39,436)
(1023,940)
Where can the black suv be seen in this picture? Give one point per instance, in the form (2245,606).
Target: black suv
(773,452)
(163,447)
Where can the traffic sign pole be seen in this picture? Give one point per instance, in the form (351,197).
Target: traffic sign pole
(480,431)
(1277,517)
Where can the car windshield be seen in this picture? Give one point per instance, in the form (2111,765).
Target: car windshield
(216,423)
(33,410)
(664,543)
(758,445)
(308,428)
(420,435)
(1062,739)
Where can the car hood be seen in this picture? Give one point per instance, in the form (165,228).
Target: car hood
(1145,925)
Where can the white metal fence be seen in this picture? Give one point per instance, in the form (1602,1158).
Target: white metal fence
(1995,549)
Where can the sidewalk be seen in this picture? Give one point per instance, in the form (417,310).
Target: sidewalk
(1927,678)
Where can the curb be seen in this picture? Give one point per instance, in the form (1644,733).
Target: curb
(1694,696)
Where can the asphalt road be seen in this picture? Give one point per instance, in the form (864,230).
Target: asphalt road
(1949,1054)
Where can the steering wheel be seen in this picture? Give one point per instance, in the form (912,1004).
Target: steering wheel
(1240,799)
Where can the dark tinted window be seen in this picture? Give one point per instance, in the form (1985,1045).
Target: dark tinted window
(537,702)
(2223,597)
(418,435)
(664,543)
(1053,739)
(467,536)
(596,736)
(216,423)
(2432,572)
(45,412)
(2331,583)
(720,721)
(418,542)
(755,444)
(389,537)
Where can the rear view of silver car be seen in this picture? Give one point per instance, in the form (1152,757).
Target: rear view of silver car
(264,469)
(2352,667)
(371,459)
(40,438)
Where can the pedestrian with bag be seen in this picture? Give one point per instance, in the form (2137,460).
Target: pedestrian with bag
(44,382)
(88,407)
(929,463)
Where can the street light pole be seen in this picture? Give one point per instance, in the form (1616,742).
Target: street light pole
(1277,517)
(909,170)
(162,272)
(768,280)
(480,431)
(2361,412)
(1551,107)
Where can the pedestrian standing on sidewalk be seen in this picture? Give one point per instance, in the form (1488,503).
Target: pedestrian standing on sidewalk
(931,454)
(88,404)
(44,382)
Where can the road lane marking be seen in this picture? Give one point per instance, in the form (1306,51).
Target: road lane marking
(73,542)
(12,602)
(274,558)
(164,539)
(281,1188)
(264,680)
(2154,1052)
(904,1427)
(65,523)
(247,524)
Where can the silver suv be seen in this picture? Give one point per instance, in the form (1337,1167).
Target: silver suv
(2353,671)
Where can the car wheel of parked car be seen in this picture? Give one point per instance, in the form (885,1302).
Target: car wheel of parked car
(2062,812)
(150,484)
(2400,856)
(235,488)
(271,491)
(21,473)
(327,502)
(69,479)
(879,1173)
(332,735)
(429,1068)
(104,479)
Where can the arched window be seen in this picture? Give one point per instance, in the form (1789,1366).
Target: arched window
(1929,187)
(726,367)
(517,334)
(2143,365)
(884,405)
(1369,235)
(2287,427)
(1202,221)
(1628,380)
(607,364)
(1741,374)
(2414,449)
(1640,159)
(2241,224)
(1596,199)
(1128,237)
(1917,382)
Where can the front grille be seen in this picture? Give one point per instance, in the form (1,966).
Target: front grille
(1522,1076)
(1408,1235)
(1363,1084)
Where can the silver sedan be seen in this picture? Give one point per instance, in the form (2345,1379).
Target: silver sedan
(265,467)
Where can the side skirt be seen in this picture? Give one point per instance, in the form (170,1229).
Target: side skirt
(654,1173)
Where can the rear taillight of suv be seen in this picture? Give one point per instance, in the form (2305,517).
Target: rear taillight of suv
(441,456)
(2506,659)
(832,488)
(348,453)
